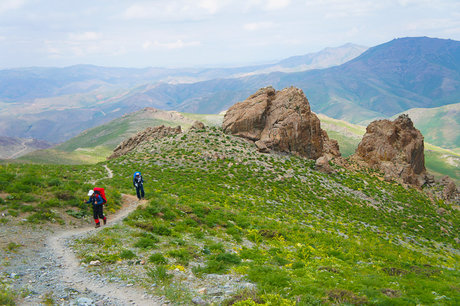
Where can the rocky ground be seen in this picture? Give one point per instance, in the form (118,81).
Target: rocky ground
(45,270)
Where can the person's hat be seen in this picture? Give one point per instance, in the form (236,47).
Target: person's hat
(90,193)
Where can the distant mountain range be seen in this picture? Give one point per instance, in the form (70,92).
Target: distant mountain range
(56,104)
(26,84)
(383,81)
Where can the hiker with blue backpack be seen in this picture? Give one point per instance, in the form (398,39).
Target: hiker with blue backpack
(138,183)
(97,199)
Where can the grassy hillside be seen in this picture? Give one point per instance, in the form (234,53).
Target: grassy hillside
(440,125)
(438,161)
(252,228)
(95,144)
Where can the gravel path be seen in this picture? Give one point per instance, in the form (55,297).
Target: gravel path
(47,268)
(54,271)
(109,172)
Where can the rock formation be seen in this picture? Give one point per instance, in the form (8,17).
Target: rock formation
(280,121)
(396,148)
(146,135)
(450,191)
(198,125)
(322,165)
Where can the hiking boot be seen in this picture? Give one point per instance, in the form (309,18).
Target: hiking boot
(98,225)
(105,221)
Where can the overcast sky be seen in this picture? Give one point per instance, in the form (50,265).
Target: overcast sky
(178,33)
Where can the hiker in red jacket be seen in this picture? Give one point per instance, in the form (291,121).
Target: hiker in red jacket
(97,201)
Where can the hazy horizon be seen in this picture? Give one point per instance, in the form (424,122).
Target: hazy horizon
(206,33)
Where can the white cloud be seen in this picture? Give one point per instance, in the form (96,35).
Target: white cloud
(85,36)
(267,5)
(255,26)
(433,24)
(345,8)
(212,6)
(174,10)
(178,44)
(7,5)
(277,4)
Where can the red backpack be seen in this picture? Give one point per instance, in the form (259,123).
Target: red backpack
(101,192)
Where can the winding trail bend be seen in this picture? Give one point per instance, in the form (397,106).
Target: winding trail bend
(54,268)
(78,279)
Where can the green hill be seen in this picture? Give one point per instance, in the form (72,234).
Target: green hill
(94,145)
(438,161)
(250,227)
(439,126)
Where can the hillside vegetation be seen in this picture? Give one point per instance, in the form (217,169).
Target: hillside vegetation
(96,144)
(440,125)
(218,207)
(438,161)
(220,211)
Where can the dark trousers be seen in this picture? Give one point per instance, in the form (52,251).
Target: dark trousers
(97,212)
(140,191)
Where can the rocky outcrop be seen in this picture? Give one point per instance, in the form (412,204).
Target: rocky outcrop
(198,125)
(280,121)
(450,191)
(322,165)
(146,135)
(396,148)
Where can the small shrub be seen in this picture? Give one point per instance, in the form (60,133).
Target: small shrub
(342,296)
(146,242)
(127,254)
(7,297)
(244,295)
(159,274)
(157,258)
(54,182)
(42,216)
(64,195)
(161,230)
(229,258)
(12,246)
(50,203)
(181,255)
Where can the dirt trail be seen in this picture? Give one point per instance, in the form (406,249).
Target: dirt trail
(51,267)
(109,172)
(19,153)
(78,279)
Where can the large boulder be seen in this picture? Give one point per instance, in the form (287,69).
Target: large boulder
(396,148)
(146,135)
(280,121)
